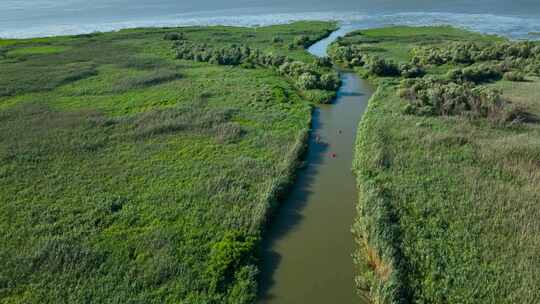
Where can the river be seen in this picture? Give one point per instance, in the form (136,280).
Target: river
(308,248)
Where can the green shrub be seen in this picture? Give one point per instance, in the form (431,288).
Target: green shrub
(462,54)
(323,62)
(514,76)
(277,39)
(429,97)
(381,67)
(302,41)
(279,94)
(293,69)
(350,55)
(305,76)
(523,52)
(483,73)
(330,82)
(534,68)
(411,71)
(307,81)
(475,74)
(227,258)
(245,290)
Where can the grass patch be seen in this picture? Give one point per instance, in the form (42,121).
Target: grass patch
(448,207)
(147,80)
(37,50)
(129,176)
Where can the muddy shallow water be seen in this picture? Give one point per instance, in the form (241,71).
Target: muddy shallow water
(308,248)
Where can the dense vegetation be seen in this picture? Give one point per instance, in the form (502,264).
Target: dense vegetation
(430,97)
(448,167)
(128,175)
(315,76)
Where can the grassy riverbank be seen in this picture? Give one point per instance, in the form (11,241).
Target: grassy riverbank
(128,175)
(449,203)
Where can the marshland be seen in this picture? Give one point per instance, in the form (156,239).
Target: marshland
(387,153)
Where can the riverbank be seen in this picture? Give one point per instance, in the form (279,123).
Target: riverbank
(448,209)
(296,251)
(128,174)
(308,248)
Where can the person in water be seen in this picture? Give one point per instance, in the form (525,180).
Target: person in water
(334,155)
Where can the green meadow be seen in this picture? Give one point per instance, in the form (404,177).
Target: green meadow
(128,175)
(449,203)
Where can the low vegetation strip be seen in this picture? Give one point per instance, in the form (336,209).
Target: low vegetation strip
(382,263)
(447,168)
(128,175)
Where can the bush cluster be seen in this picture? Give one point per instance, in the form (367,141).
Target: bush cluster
(408,70)
(435,97)
(304,75)
(350,55)
(514,76)
(476,74)
(353,56)
(228,257)
(308,78)
(323,62)
(305,41)
(277,39)
(523,55)
(382,67)
(302,41)
(232,55)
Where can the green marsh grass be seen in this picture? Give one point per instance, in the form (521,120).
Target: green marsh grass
(129,176)
(448,209)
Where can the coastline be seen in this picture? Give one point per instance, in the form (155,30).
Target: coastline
(515,27)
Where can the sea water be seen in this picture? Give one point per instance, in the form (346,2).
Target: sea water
(32,18)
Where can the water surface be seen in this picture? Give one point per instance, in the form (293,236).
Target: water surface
(27,18)
(307,251)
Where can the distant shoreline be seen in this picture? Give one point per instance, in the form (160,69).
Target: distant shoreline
(508,26)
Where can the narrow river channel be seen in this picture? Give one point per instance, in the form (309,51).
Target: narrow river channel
(308,248)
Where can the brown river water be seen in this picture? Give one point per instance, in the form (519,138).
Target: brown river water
(308,247)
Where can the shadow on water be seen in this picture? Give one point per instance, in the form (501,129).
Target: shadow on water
(289,214)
